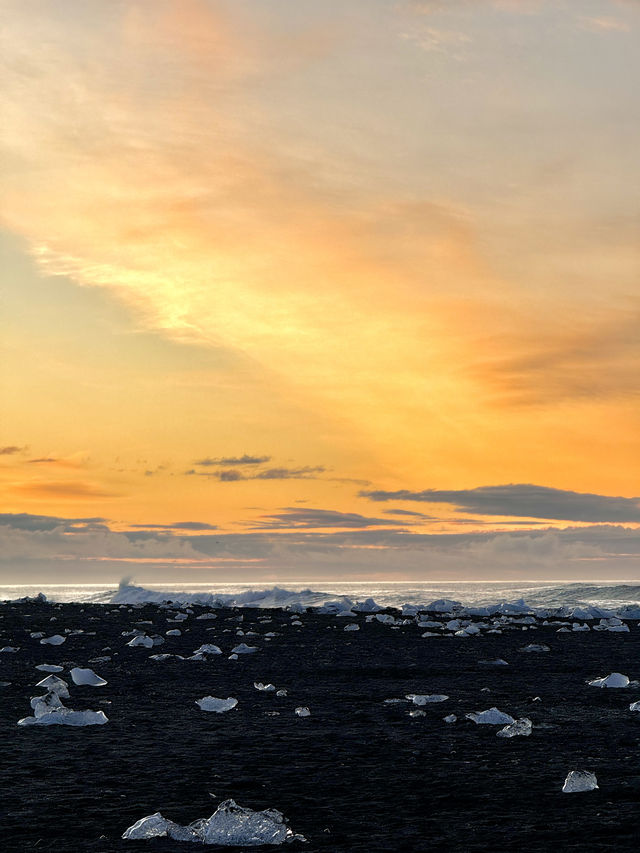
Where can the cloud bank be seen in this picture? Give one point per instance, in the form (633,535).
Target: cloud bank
(524,500)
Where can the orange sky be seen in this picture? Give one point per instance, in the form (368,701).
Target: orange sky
(266,258)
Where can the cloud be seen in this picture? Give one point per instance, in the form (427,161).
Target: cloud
(593,359)
(26,521)
(524,500)
(604,25)
(71,490)
(10,450)
(411,513)
(38,546)
(178,525)
(292,517)
(232,475)
(245,459)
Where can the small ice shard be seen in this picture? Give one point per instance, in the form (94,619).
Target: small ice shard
(535,647)
(10,649)
(54,684)
(522,727)
(174,632)
(450,718)
(156,826)
(36,635)
(267,688)
(219,706)
(141,640)
(152,826)
(55,640)
(207,616)
(579,780)
(281,692)
(233,657)
(303,712)
(425,699)
(496,662)
(395,701)
(634,706)
(417,713)
(351,627)
(49,667)
(208,649)
(243,649)
(491,717)
(616,679)
(86,676)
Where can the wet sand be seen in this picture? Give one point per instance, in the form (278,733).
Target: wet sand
(357,775)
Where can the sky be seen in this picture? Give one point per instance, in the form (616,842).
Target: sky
(311,291)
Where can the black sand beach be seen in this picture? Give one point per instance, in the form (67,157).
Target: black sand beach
(356,775)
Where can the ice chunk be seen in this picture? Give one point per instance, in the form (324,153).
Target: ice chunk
(42,705)
(86,676)
(491,717)
(496,662)
(616,679)
(535,647)
(208,649)
(49,667)
(443,605)
(267,688)
(243,649)
(55,640)
(175,632)
(425,699)
(140,640)
(66,717)
(303,712)
(232,825)
(211,703)
(522,727)
(579,780)
(10,649)
(281,692)
(152,826)
(450,718)
(352,627)
(55,685)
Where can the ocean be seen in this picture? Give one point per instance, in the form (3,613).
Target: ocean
(605,594)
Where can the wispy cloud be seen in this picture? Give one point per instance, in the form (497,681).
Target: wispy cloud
(11,450)
(524,500)
(75,490)
(308,519)
(604,25)
(233,475)
(177,525)
(245,459)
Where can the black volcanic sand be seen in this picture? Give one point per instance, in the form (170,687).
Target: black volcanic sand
(357,775)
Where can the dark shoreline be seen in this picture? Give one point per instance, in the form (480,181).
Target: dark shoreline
(357,775)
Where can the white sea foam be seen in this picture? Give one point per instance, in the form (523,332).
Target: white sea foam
(578,600)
